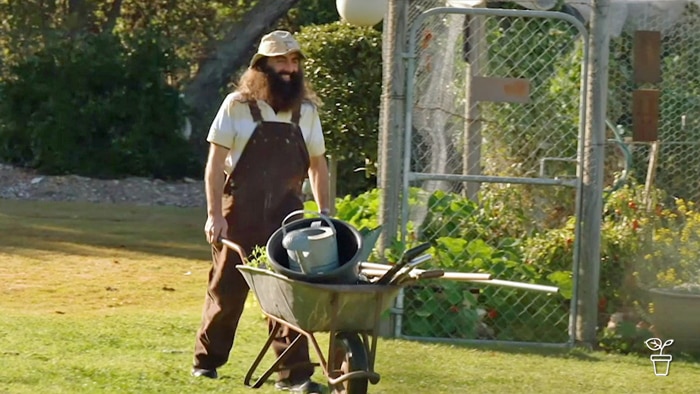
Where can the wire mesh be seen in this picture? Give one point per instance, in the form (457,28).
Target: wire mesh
(515,231)
(678,169)
(668,167)
(525,232)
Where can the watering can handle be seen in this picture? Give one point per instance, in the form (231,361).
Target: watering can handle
(322,216)
(238,248)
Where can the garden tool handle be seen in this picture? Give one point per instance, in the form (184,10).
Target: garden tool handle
(414,252)
(414,277)
(406,270)
(430,274)
(238,248)
(407,256)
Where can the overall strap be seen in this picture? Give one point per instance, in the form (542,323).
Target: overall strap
(296,115)
(255,111)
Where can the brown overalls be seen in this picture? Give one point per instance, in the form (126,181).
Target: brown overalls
(264,187)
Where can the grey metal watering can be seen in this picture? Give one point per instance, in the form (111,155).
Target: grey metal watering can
(311,250)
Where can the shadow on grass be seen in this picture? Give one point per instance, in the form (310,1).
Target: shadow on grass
(579,352)
(544,350)
(686,356)
(84,229)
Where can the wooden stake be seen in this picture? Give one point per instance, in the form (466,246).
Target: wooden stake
(651,174)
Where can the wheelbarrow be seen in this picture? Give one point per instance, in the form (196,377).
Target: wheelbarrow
(351,315)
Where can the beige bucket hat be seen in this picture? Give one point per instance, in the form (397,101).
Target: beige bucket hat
(277,43)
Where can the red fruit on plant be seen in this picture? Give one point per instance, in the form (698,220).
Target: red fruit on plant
(492,314)
(632,205)
(602,303)
(635,224)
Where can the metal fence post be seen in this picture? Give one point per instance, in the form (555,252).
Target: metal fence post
(476,56)
(592,188)
(391,126)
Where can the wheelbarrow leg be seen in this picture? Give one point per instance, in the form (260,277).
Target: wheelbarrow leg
(372,348)
(275,366)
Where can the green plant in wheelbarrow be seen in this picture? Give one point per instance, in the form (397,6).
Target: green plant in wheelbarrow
(258,258)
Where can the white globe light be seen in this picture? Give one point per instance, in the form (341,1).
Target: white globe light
(361,12)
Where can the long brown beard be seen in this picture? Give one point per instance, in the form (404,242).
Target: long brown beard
(284,95)
(263,83)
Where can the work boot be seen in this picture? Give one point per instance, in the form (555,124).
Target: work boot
(306,387)
(207,373)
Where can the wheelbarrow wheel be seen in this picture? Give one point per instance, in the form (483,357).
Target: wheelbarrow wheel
(349,355)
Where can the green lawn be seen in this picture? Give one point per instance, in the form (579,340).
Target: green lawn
(107,299)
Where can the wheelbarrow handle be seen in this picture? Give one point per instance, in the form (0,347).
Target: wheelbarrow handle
(414,277)
(238,248)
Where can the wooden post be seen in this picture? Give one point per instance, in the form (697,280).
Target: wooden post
(645,115)
(651,175)
(647,56)
(592,189)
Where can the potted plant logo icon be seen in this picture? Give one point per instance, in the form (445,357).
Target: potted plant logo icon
(661,361)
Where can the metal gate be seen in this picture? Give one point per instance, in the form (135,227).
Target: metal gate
(495,109)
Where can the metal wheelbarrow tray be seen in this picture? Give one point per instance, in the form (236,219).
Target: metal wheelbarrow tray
(350,313)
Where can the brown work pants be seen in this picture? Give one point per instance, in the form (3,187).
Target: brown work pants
(224,302)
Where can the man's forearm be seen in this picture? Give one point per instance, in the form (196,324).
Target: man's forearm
(214,187)
(214,178)
(319,179)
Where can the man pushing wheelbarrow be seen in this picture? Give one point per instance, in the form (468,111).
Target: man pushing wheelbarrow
(264,141)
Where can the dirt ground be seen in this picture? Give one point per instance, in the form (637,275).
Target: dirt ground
(22,184)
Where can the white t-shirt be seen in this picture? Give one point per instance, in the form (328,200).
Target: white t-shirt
(234,124)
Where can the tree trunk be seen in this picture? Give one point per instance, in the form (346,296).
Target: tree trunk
(203,94)
(112,15)
(78,16)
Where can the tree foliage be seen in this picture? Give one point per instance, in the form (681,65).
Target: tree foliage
(118,66)
(95,107)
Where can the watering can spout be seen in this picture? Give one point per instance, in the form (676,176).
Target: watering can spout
(369,240)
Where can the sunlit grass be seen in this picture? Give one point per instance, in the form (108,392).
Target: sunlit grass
(107,299)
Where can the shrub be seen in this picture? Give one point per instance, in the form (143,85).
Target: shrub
(95,107)
(345,67)
(642,246)
(462,236)
(645,244)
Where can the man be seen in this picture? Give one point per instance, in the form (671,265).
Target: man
(264,141)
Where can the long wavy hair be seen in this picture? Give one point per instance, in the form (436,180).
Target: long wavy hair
(254,84)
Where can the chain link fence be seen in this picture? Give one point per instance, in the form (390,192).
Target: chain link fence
(658,251)
(495,105)
(677,159)
(495,134)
